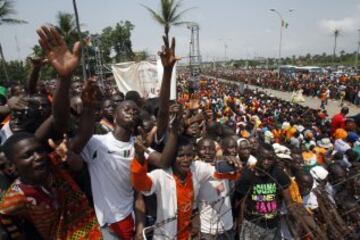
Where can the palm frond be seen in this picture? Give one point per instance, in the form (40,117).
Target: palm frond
(169,14)
(12,21)
(182,23)
(155,15)
(166,6)
(175,8)
(180,14)
(7,9)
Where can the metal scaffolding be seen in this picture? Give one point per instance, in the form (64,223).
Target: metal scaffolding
(194,49)
(98,59)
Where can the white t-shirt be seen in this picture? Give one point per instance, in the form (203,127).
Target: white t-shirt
(215,207)
(164,186)
(109,165)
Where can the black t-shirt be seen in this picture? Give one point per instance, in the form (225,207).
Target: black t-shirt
(263,199)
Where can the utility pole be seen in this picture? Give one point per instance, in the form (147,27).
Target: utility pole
(81,41)
(282,25)
(357,53)
(226,47)
(336,35)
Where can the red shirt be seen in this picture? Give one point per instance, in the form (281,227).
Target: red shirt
(338,121)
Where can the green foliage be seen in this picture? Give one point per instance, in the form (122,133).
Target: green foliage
(170,14)
(66,25)
(117,39)
(17,70)
(140,56)
(7,9)
(322,60)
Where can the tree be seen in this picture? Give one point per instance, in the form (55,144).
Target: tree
(121,41)
(169,14)
(17,70)
(65,24)
(117,39)
(7,10)
(140,56)
(47,72)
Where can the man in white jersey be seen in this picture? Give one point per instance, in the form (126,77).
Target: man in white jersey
(216,218)
(108,158)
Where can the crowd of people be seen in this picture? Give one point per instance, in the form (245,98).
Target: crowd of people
(325,85)
(81,162)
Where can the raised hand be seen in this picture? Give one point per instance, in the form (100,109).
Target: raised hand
(62,148)
(235,161)
(176,113)
(167,53)
(37,62)
(58,54)
(140,145)
(17,103)
(91,95)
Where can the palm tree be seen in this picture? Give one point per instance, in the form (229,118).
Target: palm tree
(65,24)
(7,9)
(169,14)
(68,26)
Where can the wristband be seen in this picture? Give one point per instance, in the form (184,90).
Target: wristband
(147,152)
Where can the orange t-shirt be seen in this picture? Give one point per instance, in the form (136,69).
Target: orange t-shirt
(185,196)
(320,153)
(290,133)
(277,135)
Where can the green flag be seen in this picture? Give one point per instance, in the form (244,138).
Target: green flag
(284,24)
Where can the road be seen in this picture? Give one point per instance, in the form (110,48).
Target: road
(332,108)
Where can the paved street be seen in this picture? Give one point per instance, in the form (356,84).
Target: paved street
(333,106)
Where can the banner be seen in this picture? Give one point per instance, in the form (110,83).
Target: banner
(143,77)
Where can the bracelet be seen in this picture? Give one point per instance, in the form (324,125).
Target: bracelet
(147,152)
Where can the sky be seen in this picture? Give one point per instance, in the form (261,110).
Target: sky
(247,27)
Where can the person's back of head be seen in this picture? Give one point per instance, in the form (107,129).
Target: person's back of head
(134,96)
(345,110)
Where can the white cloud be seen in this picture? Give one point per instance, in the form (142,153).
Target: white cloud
(347,24)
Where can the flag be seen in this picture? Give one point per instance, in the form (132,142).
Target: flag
(284,24)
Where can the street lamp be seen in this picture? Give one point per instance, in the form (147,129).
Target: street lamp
(226,46)
(282,24)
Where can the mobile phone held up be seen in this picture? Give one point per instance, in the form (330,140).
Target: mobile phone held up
(222,166)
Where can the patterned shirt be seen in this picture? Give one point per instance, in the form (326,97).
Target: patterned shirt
(59,212)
